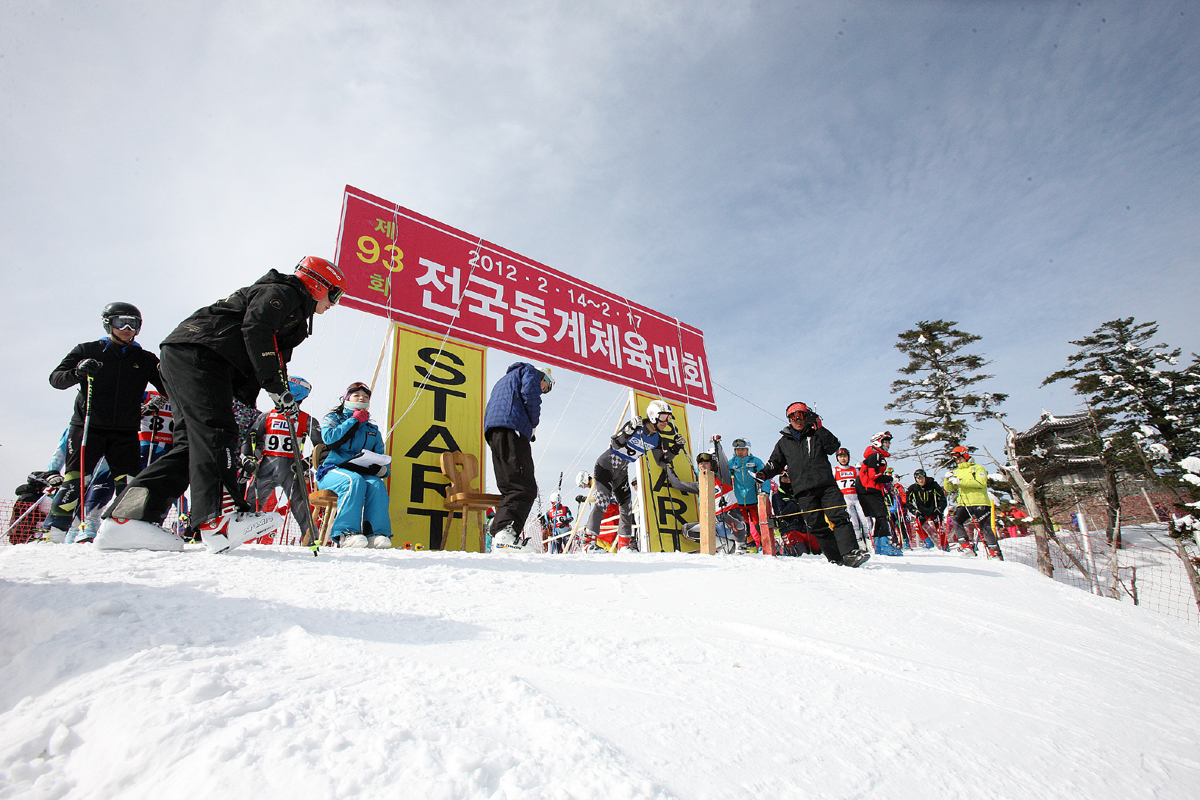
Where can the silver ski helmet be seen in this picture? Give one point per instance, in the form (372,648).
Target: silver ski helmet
(122,316)
(657,408)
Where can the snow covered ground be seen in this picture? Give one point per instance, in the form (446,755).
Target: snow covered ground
(268,673)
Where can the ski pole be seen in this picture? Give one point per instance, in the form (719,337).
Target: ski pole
(87,418)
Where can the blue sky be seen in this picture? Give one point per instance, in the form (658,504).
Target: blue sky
(801,181)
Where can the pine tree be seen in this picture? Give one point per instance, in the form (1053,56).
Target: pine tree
(1145,409)
(941,397)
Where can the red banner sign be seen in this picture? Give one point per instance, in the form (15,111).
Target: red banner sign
(417,271)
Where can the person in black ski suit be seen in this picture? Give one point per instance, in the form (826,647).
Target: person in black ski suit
(804,448)
(119,370)
(927,501)
(232,348)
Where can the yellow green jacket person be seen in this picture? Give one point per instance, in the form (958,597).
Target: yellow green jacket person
(970,481)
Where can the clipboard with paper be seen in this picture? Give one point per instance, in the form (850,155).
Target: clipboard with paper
(369,458)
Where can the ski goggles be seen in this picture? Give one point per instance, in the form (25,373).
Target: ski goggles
(740,443)
(335,294)
(797,416)
(124,323)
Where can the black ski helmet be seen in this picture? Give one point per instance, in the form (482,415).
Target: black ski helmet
(114,310)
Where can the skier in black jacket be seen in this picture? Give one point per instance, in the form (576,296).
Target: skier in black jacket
(233,347)
(927,501)
(804,449)
(119,370)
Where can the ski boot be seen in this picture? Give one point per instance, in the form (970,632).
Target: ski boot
(506,539)
(856,558)
(993,551)
(236,528)
(884,547)
(966,550)
(135,534)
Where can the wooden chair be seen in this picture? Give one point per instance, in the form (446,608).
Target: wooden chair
(327,500)
(462,470)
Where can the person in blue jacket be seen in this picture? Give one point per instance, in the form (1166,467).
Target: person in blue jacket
(743,467)
(510,421)
(362,512)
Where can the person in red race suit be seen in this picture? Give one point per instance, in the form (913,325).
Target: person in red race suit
(873,484)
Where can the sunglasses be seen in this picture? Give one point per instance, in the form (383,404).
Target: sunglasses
(125,324)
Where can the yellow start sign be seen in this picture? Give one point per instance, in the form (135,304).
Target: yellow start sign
(438,396)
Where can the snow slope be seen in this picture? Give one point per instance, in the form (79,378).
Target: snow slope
(269,673)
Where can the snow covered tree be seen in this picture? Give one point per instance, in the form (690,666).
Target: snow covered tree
(1144,408)
(940,397)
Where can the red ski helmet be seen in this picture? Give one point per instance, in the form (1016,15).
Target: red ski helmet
(322,278)
(960,451)
(798,408)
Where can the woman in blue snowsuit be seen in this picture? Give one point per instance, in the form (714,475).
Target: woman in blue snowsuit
(362,515)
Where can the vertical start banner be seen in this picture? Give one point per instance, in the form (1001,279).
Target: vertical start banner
(420,272)
(666,508)
(438,395)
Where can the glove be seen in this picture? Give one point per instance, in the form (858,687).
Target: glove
(533,435)
(87,368)
(760,476)
(381,470)
(359,414)
(153,404)
(285,403)
(637,422)
(248,464)
(883,478)
(54,481)
(680,442)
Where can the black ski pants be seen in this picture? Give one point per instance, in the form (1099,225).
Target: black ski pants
(119,448)
(200,385)
(875,507)
(611,478)
(983,522)
(512,459)
(823,507)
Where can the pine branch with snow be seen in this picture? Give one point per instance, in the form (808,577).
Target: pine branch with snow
(939,396)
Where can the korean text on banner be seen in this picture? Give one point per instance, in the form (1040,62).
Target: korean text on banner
(420,272)
(446,392)
(667,509)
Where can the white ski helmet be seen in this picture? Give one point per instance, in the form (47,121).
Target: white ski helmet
(879,439)
(658,407)
(583,480)
(555,498)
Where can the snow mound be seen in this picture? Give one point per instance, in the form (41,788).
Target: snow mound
(268,673)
